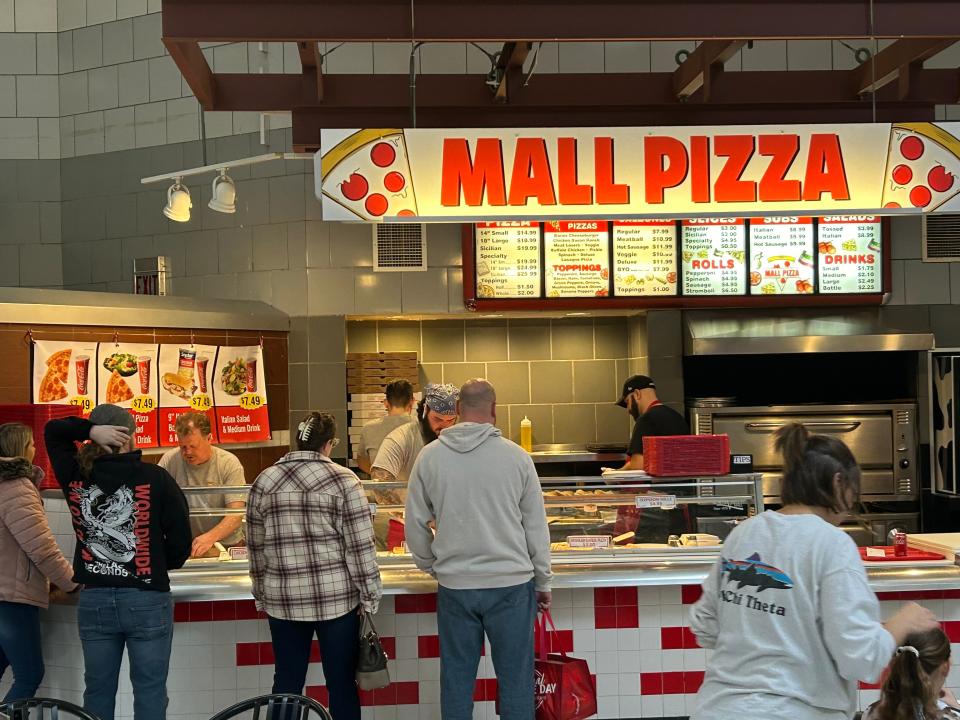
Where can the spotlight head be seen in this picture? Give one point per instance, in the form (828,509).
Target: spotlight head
(178,202)
(223,197)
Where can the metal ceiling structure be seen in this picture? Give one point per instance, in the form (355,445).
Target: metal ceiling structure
(890,85)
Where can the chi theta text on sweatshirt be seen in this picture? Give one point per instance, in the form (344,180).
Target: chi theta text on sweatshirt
(484,494)
(792,623)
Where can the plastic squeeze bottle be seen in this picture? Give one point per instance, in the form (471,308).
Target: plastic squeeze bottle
(526,434)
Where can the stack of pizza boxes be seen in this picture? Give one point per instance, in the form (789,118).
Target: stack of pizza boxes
(37,416)
(367,377)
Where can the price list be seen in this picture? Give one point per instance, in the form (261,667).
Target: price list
(644,257)
(713,256)
(849,248)
(508,259)
(577,258)
(781,256)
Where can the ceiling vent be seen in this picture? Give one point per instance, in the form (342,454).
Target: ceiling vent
(941,237)
(399,247)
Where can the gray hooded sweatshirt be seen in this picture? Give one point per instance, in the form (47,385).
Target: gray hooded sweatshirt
(484,495)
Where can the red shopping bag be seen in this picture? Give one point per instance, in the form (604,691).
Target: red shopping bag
(564,687)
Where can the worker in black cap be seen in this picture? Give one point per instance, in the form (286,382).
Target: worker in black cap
(652,417)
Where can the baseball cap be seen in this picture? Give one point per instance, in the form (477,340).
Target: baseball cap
(637,382)
(112,415)
(442,398)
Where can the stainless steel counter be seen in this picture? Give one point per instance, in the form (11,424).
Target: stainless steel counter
(570,453)
(229,580)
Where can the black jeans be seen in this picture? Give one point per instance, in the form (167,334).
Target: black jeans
(338,640)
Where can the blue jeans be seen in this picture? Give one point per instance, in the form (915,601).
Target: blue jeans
(20,648)
(506,615)
(338,640)
(141,620)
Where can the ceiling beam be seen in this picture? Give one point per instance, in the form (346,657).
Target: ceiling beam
(565,20)
(193,66)
(888,64)
(311,62)
(695,71)
(510,68)
(372,93)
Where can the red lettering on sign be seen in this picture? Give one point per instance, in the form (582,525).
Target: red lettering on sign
(700,169)
(531,173)
(738,149)
(570,191)
(609,192)
(483,173)
(825,170)
(782,150)
(664,166)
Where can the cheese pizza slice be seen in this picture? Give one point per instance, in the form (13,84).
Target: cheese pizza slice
(923,165)
(59,364)
(117,389)
(51,389)
(368,173)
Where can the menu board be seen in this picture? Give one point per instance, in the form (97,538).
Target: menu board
(127,376)
(577,258)
(508,259)
(644,257)
(64,373)
(713,252)
(186,380)
(240,394)
(850,248)
(781,256)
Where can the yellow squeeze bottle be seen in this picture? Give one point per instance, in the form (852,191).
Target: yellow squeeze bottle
(526,434)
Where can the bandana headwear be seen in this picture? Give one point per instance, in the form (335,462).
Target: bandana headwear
(908,649)
(442,399)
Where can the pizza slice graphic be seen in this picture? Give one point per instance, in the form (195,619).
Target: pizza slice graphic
(51,388)
(59,364)
(923,167)
(368,173)
(117,389)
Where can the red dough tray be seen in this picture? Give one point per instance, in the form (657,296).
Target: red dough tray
(912,554)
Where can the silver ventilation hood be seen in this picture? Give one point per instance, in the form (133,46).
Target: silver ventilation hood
(761,333)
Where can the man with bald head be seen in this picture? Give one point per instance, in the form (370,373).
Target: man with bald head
(490,554)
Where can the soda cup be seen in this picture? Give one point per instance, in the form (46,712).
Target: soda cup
(251,374)
(143,369)
(899,544)
(202,361)
(83,372)
(188,361)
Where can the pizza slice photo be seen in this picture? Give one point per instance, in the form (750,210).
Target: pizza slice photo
(51,388)
(923,165)
(118,390)
(59,364)
(368,173)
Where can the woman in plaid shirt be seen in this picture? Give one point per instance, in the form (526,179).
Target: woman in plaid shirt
(313,563)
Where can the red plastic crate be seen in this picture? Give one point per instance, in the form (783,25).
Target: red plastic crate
(36,416)
(680,455)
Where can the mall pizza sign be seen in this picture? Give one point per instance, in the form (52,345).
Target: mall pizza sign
(399,175)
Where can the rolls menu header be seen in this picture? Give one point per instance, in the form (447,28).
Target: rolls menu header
(693,258)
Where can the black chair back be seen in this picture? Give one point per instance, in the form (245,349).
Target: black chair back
(276,707)
(44,709)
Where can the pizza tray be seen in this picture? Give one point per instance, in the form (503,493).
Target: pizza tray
(913,555)
(946,543)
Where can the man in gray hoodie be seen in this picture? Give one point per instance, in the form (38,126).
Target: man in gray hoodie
(490,553)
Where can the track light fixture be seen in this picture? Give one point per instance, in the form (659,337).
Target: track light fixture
(223,197)
(178,202)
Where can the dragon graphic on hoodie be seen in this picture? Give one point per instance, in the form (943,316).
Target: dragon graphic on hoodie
(108,523)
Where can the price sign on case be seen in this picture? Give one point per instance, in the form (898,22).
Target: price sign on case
(664,502)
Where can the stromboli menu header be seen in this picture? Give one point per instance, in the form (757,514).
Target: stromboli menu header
(701,257)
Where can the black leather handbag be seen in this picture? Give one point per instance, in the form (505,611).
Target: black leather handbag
(372,670)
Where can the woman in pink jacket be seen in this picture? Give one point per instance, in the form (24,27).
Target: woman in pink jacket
(29,560)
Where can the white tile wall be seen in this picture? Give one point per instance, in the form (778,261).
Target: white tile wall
(131,8)
(103,87)
(118,42)
(87,47)
(19,139)
(47,54)
(38,96)
(8,95)
(49,138)
(7,15)
(36,15)
(89,133)
(71,14)
(134,79)
(101,11)
(74,93)
(18,53)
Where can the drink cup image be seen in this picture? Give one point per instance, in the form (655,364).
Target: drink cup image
(143,370)
(251,363)
(83,372)
(202,361)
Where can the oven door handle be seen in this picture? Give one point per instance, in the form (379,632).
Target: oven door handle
(823,425)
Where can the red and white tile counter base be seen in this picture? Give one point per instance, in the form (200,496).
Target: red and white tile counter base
(636,640)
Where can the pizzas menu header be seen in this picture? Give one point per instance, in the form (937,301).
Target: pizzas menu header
(530,173)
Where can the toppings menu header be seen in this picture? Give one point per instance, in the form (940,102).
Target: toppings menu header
(697,257)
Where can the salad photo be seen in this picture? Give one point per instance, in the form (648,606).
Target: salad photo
(233,377)
(124,364)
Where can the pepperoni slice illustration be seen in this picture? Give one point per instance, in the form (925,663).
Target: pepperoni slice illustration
(376,204)
(354,187)
(911,147)
(383,154)
(920,196)
(902,174)
(394,181)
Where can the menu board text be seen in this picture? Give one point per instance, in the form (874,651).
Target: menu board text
(714,253)
(508,259)
(781,255)
(645,257)
(577,258)
(849,247)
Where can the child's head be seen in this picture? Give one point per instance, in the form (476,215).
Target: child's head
(819,471)
(916,676)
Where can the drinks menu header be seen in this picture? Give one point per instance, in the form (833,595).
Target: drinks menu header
(698,257)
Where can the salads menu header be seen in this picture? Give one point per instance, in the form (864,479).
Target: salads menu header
(695,258)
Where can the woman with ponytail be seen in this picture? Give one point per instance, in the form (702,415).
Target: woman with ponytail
(914,688)
(787,610)
(313,563)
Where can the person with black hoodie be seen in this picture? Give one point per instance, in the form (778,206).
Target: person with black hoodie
(132,525)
